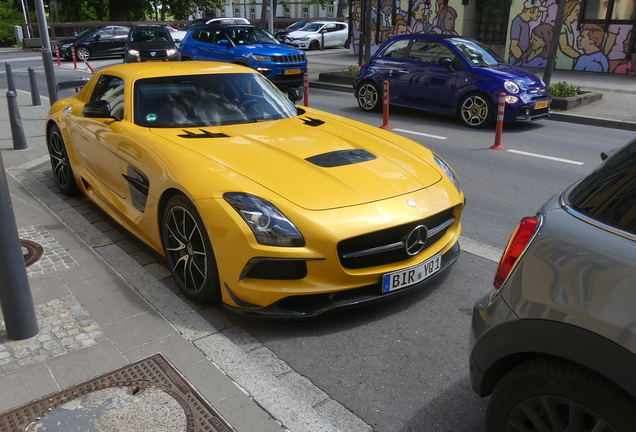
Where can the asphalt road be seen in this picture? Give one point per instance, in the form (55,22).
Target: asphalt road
(403,365)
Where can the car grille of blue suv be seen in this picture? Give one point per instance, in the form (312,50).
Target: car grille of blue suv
(289,58)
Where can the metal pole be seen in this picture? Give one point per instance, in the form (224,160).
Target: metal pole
(35,94)
(47,58)
(17,131)
(10,82)
(16,300)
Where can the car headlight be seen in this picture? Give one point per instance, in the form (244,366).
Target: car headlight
(133,52)
(269,225)
(511,86)
(261,58)
(448,171)
(171,52)
(303,39)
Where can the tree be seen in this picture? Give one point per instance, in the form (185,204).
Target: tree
(9,17)
(133,10)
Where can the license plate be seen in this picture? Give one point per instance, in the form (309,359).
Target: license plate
(541,105)
(292,71)
(412,275)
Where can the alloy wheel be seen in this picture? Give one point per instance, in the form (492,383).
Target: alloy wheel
(368,97)
(475,111)
(60,163)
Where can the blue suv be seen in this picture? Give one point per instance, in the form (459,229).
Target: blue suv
(249,46)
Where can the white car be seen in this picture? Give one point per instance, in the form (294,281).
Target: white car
(311,37)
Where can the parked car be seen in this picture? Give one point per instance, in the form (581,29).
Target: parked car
(280,34)
(450,75)
(275,209)
(150,43)
(100,41)
(554,342)
(249,46)
(318,33)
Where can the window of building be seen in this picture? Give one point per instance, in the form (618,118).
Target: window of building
(330,11)
(305,12)
(237,12)
(252,13)
(609,10)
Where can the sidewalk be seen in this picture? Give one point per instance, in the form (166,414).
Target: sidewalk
(119,349)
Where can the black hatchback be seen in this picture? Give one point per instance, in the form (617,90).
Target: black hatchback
(100,41)
(150,43)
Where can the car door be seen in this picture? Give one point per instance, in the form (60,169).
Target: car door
(423,80)
(120,40)
(389,66)
(97,139)
(103,42)
(208,47)
(328,32)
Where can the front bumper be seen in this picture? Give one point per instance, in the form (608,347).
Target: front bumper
(305,306)
(525,112)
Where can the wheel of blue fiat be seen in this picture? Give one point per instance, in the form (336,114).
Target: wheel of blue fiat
(60,163)
(368,96)
(476,111)
(188,250)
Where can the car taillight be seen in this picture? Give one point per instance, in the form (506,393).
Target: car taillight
(517,243)
(363,65)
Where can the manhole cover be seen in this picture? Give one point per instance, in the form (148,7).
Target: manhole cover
(145,377)
(32,251)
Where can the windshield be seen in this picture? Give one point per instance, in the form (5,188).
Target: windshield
(209,100)
(87,32)
(250,35)
(312,27)
(150,35)
(297,25)
(478,55)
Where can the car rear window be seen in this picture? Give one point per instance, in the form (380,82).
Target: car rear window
(608,194)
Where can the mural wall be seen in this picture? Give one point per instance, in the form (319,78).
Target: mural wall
(584,47)
(397,17)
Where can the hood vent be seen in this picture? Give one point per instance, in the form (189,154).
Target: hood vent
(312,121)
(340,158)
(205,134)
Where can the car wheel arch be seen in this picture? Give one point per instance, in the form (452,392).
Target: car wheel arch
(527,338)
(163,202)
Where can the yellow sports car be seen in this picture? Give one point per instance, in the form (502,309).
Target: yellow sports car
(276,209)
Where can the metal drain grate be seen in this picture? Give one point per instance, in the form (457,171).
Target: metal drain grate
(32,251)
(154,372)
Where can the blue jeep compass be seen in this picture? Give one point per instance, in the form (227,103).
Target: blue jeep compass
(249,46)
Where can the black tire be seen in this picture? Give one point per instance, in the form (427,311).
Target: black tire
(314,45)
(550,394)
(475,110)
(82,53)
(60,163)
(189,252)
(368,96)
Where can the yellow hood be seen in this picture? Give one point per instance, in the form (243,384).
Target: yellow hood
(312,164)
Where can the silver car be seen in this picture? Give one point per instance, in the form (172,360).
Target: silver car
(554,343)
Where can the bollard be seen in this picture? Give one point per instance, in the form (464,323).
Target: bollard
(500,116)
(17,131)
(89,66)
(138,58)
(322,45)
(35,94)
(74,58)
(16,300)
(385,107)
(10,82)
(57,55)
(306,88)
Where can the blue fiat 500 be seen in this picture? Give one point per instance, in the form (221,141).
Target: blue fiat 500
(249,46)
(450,75)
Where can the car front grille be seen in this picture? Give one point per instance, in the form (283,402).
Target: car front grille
(299,58)
(159,54)
(388,246)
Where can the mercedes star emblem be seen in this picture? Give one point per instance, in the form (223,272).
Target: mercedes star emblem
(416,240)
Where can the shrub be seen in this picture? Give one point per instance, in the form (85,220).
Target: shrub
(563,89)
(353,70)
(9,16)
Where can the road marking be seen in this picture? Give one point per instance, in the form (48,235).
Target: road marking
(475,247)
(547,157)
(421,134)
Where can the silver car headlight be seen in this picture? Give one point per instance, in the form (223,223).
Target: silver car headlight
(511,86)
(171,52)
(448,171)
(269,225)
(261,58)
(133,52)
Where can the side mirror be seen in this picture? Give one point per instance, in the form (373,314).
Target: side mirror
(97,37)
(97,109)
(448,63)
(223,42)
(294,95)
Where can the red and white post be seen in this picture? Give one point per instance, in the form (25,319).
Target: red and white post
(89,66)
(500,117)
(385,107)
(57,55)
(306,88)
(74,58)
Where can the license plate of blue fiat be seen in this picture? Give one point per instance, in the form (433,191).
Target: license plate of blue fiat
(412,275)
